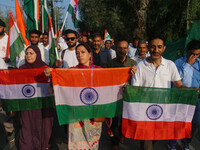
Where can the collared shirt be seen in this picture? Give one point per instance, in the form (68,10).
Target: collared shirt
(117,63)
(162,76)
(102,58)
(3,64)
(69,58)
(137,58)
(190,75)
(3,46)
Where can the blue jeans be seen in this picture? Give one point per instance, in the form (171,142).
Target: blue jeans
(195,127)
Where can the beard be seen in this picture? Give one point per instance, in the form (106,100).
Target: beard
(70,46)
(121,55)
(2,32)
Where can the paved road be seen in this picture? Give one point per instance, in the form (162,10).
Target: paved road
(105,144)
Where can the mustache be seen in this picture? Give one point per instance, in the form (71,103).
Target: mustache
(156,53)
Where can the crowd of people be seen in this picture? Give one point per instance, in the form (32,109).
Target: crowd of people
(149,69)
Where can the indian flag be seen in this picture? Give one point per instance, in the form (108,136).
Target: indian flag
(106,35)
(73,10)
(158,113)
(15,41)
(53,53)
(24,89)
(44,15)
(82,94)
(20,22)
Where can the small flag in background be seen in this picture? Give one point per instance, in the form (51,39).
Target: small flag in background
(73,10)
(27,90)
(31,9)
(15,41)
(158,113)
(53,54)
(88,93)
(20,22)
(44,15)
(106,35)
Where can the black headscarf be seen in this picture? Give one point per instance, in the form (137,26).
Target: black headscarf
(38,61)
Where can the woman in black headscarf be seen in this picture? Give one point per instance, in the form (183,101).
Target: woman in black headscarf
(36,125)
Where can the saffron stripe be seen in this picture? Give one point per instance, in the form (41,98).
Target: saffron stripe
(22,76)
(145,130)
(82,77)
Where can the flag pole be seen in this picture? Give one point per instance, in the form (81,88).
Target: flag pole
(64,21)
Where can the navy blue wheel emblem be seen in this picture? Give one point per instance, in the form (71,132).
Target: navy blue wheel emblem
(28,90)
(89,96)
(154,112)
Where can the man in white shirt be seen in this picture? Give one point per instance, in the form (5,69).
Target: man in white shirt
(133,47)
(34,40)
(142,50)
(3,64)
(3,41)
(108,43)
(68,56)
(155,71)
(45,41)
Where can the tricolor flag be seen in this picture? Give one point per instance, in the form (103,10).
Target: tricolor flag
(20,22)
(44,15)
(106,35)
(15,41)
(24,89)
(73,10)
(31,7)
(88,93)
(53,53)
(158,113)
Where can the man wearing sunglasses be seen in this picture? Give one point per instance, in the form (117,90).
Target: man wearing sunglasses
(68,56)
(189,70)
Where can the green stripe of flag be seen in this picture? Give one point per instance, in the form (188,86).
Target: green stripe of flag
(70,114)
(27,104)
(74,19)
(15,49)
(160,95)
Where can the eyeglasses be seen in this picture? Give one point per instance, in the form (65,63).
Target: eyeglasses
(72,39)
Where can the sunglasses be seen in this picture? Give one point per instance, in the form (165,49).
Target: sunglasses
(72,39)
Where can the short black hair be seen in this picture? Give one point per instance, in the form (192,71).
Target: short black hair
(193,45)
(70,31)
(34,31)
(97,35)
(2,23)
(153,37)
(136,38)
(45,33)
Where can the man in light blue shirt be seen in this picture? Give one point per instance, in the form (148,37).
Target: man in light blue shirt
(189,70)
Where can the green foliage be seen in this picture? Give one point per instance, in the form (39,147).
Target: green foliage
(98,15)
(122,17)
